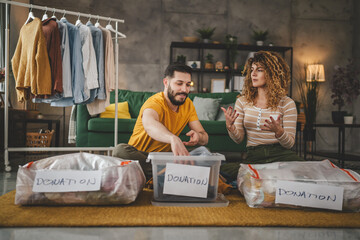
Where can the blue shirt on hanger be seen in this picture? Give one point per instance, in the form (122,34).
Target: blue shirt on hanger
(77,71)
(98,43)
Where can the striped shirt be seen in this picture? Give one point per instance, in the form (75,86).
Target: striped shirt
(251,119)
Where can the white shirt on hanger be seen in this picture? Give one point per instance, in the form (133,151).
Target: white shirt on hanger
(89,59)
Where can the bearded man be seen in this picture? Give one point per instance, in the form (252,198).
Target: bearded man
(162,118)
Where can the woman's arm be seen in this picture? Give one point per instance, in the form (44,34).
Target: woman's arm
(286,133)
(234,122)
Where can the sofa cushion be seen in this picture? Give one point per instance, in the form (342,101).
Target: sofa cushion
(221,114)
(226,98)
(135,100)
(107,125)
(206,108)
(123,111)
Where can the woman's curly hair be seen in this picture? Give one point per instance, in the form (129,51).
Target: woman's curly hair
(277,75)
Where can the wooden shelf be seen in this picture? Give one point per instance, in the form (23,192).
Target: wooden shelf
(227,74)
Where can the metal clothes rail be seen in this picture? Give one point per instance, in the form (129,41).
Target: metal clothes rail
(6,109)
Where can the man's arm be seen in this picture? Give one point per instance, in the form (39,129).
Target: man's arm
(197,134)
(157,131)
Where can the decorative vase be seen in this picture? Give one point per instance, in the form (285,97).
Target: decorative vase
(338,116)
(206,40)
(259,43)
(348,119)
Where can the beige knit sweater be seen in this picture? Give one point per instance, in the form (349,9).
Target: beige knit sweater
(30,62)
(251,120)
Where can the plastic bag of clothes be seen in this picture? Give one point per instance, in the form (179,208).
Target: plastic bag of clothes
(259,183)
(117,181)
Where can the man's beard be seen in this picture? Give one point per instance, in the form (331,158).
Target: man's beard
(172,96)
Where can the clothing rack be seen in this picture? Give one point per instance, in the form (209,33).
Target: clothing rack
(6,107)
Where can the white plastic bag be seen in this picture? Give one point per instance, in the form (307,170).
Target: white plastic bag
(257,182)
(121,181)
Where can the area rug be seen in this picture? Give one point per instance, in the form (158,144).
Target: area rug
(143,213)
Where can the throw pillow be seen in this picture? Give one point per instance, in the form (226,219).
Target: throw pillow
(221,114)
(123,111)
(207,108)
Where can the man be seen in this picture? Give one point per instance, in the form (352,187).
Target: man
(161,120)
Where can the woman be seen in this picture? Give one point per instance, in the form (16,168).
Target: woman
(264,113)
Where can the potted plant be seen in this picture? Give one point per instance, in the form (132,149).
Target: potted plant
(260,37)
(309,92)
(209,61)
(181,59)
(345,88)
(206,33)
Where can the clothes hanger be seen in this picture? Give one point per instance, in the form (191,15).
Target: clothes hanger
(97,24)
(78,21)
(63,17)
(45,16)
(110,27)
(30,16)
(89,21)
(53,16)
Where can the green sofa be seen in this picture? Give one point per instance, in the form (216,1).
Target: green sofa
(99,132)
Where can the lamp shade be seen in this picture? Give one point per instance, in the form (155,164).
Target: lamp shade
(315,72)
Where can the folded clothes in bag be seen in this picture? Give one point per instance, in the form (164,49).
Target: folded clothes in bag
(79,179)
(316,184)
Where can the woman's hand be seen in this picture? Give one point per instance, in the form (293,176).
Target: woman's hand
(230,116)
(274,126)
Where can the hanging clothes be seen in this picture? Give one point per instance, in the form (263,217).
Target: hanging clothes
(77,71)
(30,63)
(89,59)
(65,55)
(52,36)
(109,64)
(100,93)
(99,105)
(99,51)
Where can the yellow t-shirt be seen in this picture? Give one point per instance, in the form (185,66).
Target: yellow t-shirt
(173,121)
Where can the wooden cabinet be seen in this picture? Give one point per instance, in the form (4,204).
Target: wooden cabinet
(198,52)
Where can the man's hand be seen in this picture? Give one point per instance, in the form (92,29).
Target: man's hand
(194,138)
(177,147)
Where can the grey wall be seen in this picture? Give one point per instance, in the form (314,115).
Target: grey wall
(318,30)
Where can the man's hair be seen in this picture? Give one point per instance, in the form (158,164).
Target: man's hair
(170,70)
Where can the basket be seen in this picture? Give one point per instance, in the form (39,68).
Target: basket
(35,139)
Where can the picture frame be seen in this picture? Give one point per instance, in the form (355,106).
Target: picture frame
(191,64)
(239,83)
(218,85)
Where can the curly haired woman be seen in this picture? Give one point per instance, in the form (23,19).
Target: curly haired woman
(264,113)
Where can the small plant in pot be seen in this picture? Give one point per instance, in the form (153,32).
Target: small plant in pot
(260,37)
(181,59)
(209,61)
(206,34)
(345,88)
